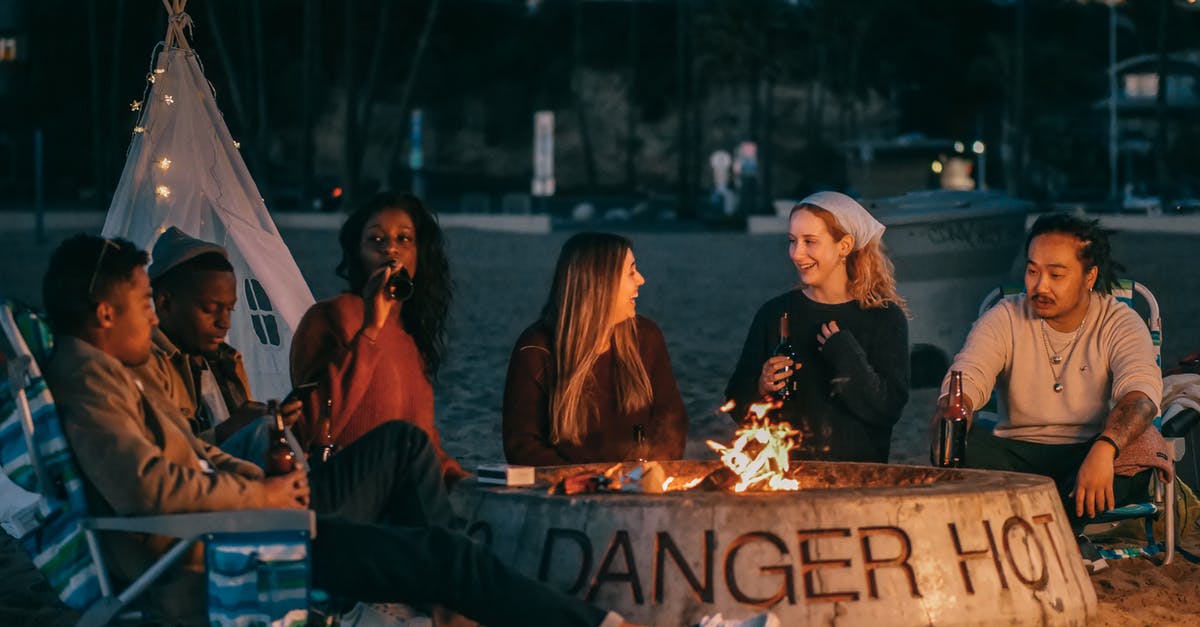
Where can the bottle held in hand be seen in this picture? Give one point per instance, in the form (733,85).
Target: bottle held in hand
(281,460)
(641,449)
(784,349)
(323,447)
(400,286)
(950,439)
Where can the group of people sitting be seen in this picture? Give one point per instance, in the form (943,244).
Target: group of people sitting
(161,418)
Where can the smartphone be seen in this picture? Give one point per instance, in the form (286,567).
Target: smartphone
(299,391)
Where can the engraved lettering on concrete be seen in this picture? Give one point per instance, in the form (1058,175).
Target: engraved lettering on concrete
(620,541)
(787,588)
(664,545)
(1044,520)
(809,565)
(553,535)
(965,556)
(872,563)
(1014,523)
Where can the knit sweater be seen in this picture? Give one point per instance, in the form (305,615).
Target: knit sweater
(609,435)
(369,381)
(1006,351)
(852,389)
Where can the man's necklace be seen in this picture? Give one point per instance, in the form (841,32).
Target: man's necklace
(1054,357)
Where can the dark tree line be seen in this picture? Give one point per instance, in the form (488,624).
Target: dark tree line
(319,92)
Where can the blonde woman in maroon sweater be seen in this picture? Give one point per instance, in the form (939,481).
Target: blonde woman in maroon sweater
(372,352)
(591,375)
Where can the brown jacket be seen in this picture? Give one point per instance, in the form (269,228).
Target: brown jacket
(137,455)
(173,368)
(609,435)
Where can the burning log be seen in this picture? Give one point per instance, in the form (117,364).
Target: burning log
(643,477)
(759,455)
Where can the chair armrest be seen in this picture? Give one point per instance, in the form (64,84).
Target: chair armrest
(1178,425)
(189,526)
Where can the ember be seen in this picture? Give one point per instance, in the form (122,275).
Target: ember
(759,455)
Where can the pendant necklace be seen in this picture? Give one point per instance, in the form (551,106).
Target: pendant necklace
(1055,358)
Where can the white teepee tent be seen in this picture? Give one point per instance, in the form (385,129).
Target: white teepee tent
(184,169)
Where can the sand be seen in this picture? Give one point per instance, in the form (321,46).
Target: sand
(702,289)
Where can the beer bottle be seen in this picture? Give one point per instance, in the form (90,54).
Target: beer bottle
(951,430)
(281,460)
(322,446)
(641,450)
(784,349)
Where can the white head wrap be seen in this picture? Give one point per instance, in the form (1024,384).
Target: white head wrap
(853,217)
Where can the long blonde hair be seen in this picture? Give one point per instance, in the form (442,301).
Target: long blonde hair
(577,313)
(872,277)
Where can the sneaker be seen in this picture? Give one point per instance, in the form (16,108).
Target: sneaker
(1092,560)
(765,619)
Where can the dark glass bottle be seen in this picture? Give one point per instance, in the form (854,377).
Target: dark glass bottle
(641,449)
(400,285)
(950,439)
(281,460)
(322,445)
(784,349)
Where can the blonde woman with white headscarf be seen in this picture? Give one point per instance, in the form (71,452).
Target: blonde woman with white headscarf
(848,381)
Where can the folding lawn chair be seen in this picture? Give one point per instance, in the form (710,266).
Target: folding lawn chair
(1163,501)
(257,559)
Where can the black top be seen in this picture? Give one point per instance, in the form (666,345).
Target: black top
(851,390)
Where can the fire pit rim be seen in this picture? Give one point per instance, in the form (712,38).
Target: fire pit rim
(964,480)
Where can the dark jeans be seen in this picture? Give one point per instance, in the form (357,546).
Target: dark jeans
(1060,462)
(381,537)
(391,475)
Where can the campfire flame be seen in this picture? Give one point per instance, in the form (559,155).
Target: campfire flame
(670,486)
(759,455)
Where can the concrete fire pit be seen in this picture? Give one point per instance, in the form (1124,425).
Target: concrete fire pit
(859,544)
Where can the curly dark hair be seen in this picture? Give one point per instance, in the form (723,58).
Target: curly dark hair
(83,271)
(1095,252)
(425,314)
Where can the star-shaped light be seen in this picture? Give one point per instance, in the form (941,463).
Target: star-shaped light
(163,164)
(237,144)
(163,191)
(169,99)
(139,129)
(136,105)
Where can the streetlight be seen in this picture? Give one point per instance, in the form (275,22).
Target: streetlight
(980,151)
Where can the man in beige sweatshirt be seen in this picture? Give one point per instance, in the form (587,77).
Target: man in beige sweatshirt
(1075,373)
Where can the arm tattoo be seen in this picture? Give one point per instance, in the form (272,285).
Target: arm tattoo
(1132,415)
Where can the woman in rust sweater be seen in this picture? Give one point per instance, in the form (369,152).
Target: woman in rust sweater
(373,350)
(591,377)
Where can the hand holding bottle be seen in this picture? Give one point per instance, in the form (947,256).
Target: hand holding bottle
(377,303)
(288,491)
(774,374)
(776,377)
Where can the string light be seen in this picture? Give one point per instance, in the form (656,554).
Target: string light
(136,105)
(150,78)
(139,129)
(163,191)
(169,99)
(159,70)
(237,144)
(164,164)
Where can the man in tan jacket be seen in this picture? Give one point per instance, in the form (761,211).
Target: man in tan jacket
(139,458)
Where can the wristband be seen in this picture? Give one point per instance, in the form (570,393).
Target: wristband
(1112,442)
